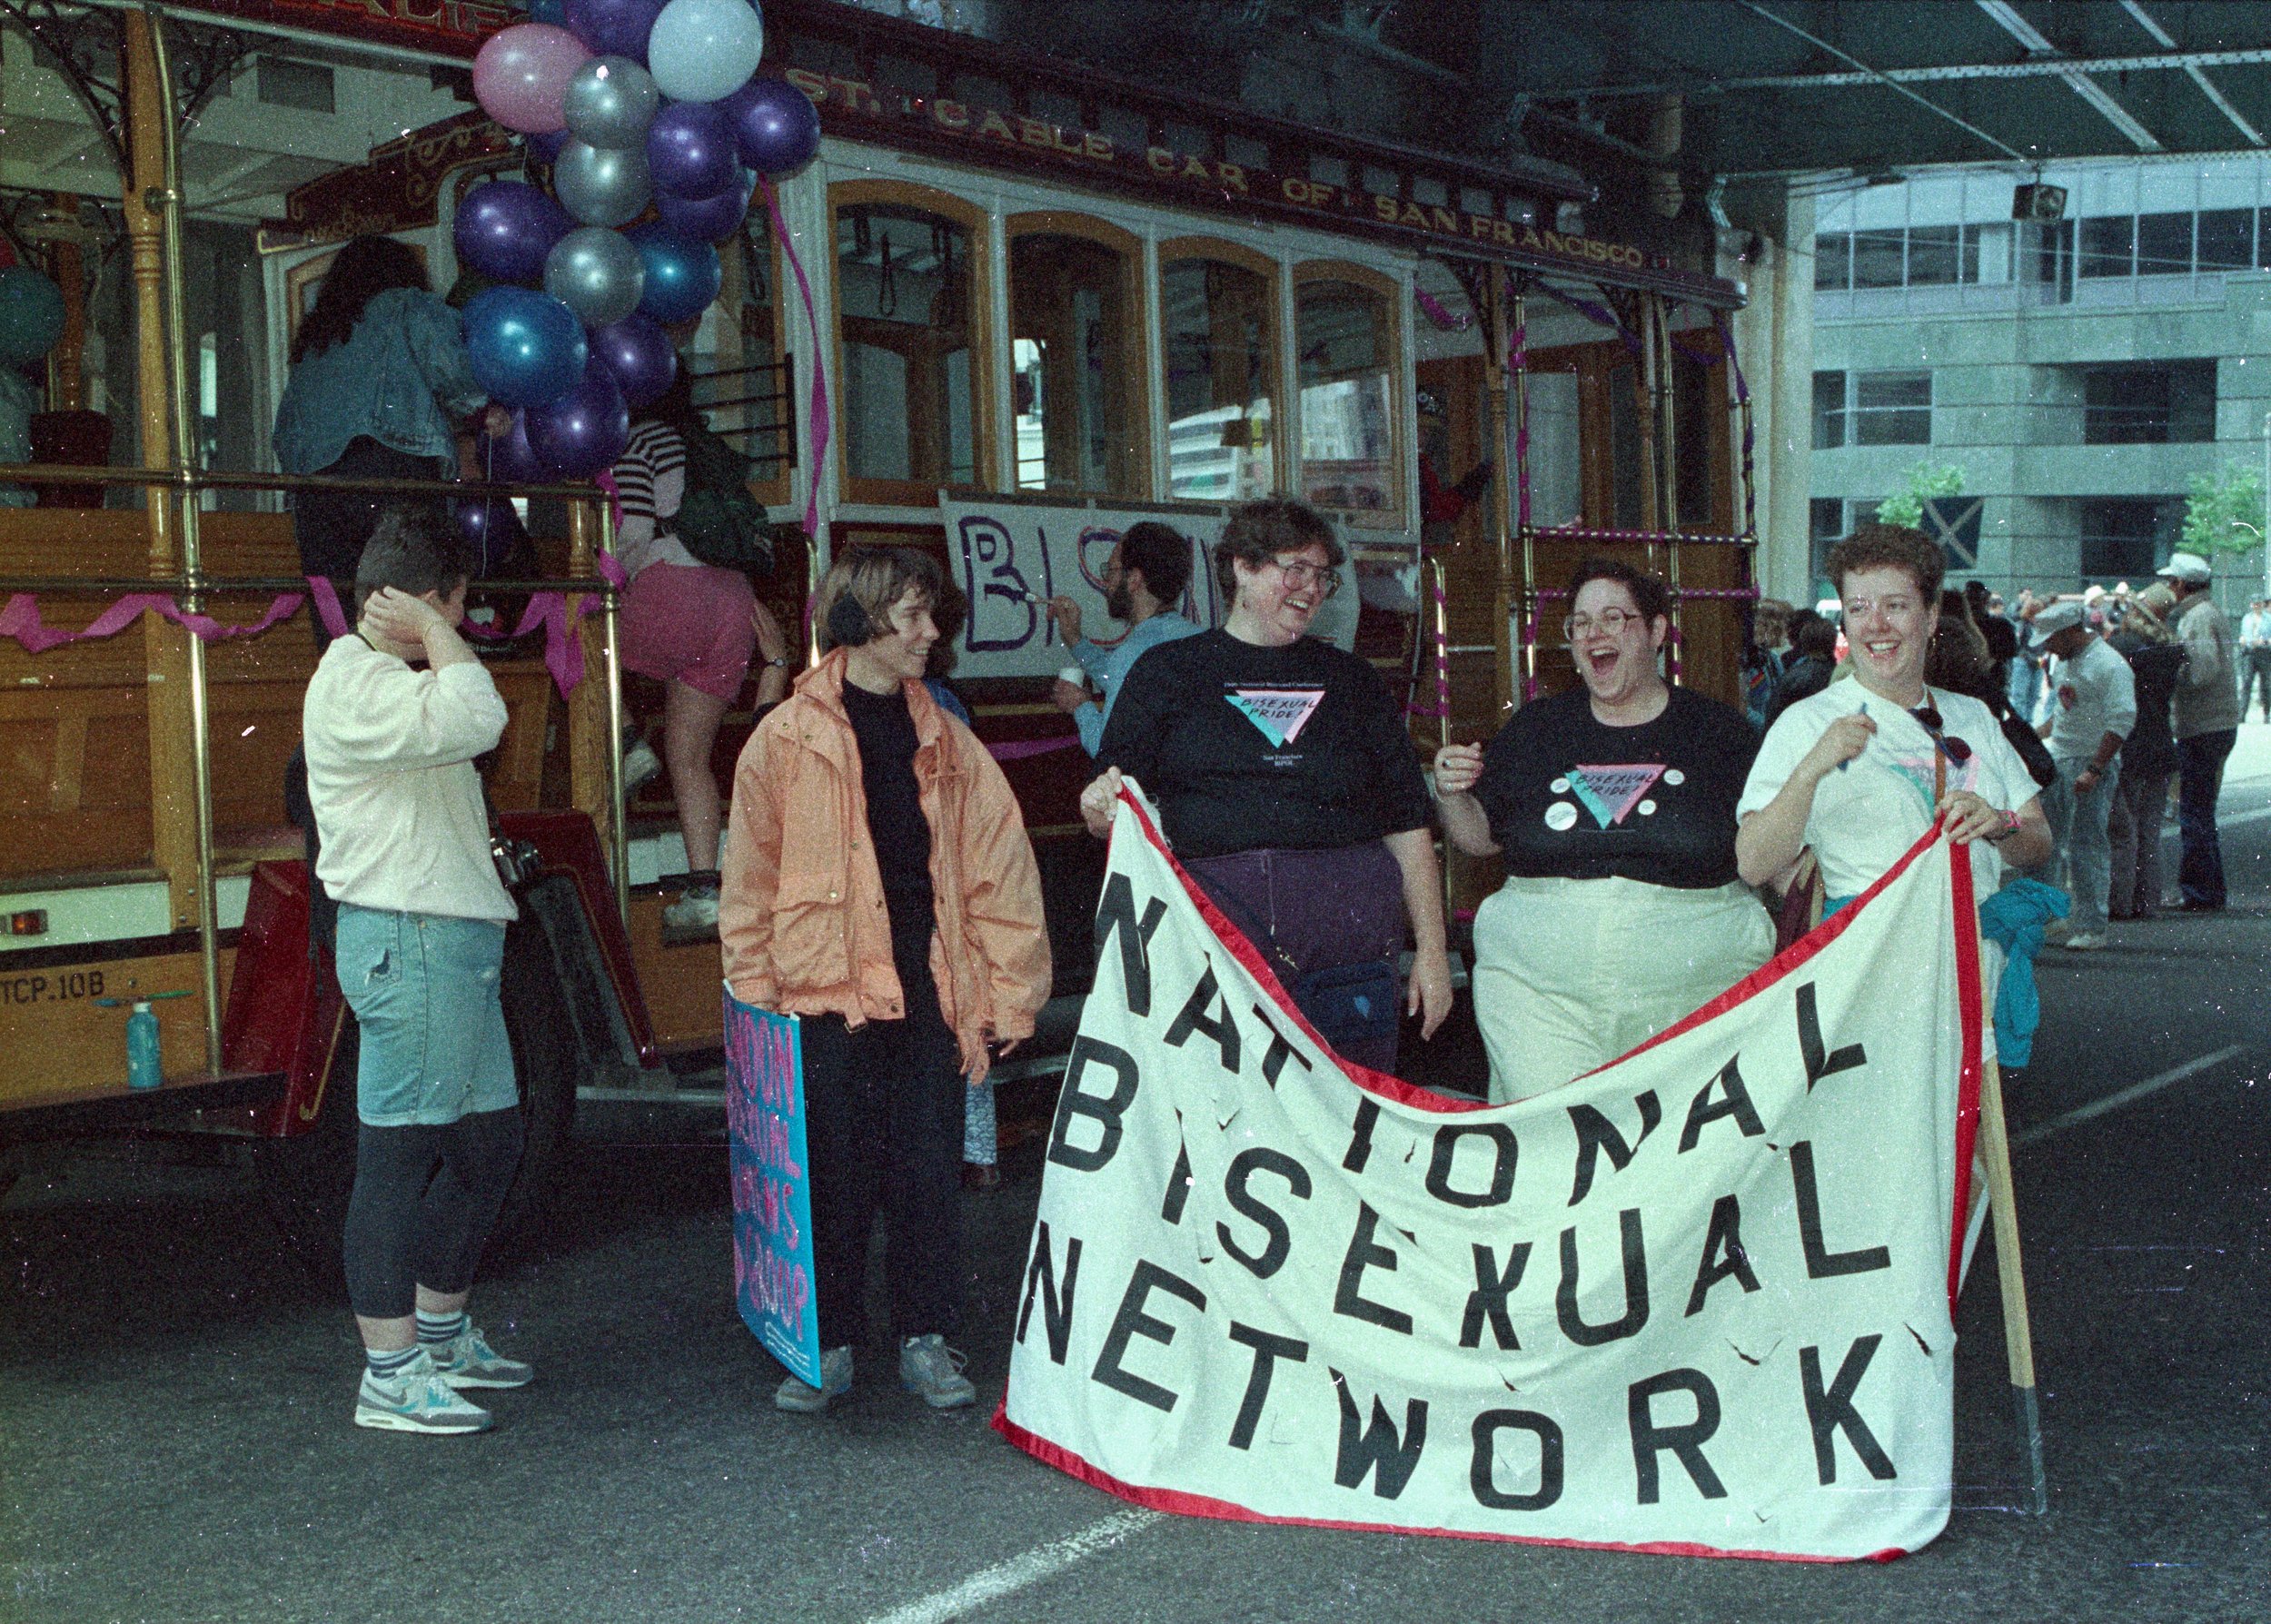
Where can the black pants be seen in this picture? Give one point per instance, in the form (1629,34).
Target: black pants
(332,526)
(425,1199)
(2200,777)
(883,1134)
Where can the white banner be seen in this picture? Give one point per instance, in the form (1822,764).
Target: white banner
(1008,556)
(1697,1301)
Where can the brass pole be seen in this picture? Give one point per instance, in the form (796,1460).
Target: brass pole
(619,834)
(1661,315)
(1651,513)
(1505,601)
(1526,527)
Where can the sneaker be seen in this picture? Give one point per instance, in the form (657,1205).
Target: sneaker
(931,1369)
(415,1399)
(835,1378)
(2083,941)
(467,1360)
(640,765)
(696,909)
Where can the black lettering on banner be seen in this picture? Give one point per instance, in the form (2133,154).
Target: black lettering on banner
(1480,1477)
(1686,1441)
(1723,1255)
(1596,1132)
(1504,1152)
(1820,1061)
(1195,1018)
(1366,1252)
(1106,1111)
(1040,1281)
(1377,1447)
(1574,1324)
(1273,1057)
(1178,1183)
(1281,1238)
(1488,1300)
(1734,1101)
(1827,1413)
(1821,1264)
(1360,1138)
(1132,1322)
(1116,912)
(1268,1350)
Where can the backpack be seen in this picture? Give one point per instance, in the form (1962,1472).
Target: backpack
(719,520)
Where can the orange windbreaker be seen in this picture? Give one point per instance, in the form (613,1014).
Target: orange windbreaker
(800,908)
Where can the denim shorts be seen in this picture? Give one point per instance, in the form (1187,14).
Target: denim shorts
(426,989)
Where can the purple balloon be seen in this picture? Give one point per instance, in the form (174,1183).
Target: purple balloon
(637,353)
(775,123)
(691,150)
(504,229)
(708,219)
(544,144)
(584,430)
(491,525)
(511,458)
(613,27)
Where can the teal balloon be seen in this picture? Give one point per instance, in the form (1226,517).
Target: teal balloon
(527,348)
(596,274)
(31,314)
(682,275)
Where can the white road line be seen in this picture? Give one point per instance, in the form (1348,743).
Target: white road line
(2129,1095)
(1043,1561)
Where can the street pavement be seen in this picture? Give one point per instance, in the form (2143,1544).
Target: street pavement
(175,1397)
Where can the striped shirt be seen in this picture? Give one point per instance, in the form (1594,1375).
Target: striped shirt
(650,478)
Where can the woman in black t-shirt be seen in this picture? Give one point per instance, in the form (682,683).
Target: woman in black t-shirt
(1614,807)
(1288,786)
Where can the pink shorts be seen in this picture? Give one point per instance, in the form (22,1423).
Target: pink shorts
(689,624)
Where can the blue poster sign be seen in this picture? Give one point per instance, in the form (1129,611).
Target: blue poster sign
(772,1194)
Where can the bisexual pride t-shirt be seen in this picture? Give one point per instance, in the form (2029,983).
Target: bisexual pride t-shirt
(1246,747)
(1570,797)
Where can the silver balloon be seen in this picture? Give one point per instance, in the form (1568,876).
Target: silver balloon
(597,273)
(599,185)
(610,102)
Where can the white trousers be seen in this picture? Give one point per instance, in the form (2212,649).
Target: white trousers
(1571,974)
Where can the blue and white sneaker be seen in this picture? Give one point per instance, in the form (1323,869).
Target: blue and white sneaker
(932,1371)
(467,1360)
(416,1399)
(836,1379)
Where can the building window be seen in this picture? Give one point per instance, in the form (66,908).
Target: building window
(2127,539)
(2109,245)
(1218,334)
(1826,522)
(1829,410)
(1936,256)
(1833,262)
(906,316)
(1342,340)
(2227,239)
(1075,346)
(2169,402)
(1891,409)
(1879,260)
(2164,244)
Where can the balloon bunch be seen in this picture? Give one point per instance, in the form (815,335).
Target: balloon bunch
(637,105)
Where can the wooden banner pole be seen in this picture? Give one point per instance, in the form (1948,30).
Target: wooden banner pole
(1995,1150)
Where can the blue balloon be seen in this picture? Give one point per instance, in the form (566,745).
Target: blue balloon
(708,219)
(682,275)
(638,353)
(613,27)
(509,458)
(691,150)
(504,229)
(527,348)
(585,430)
(774,124)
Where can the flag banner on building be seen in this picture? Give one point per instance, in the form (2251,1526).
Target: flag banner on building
(1698,1302)
(772,1190)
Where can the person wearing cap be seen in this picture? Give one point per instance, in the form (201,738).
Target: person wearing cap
(2254,653)
(2207,724)
(2092,711)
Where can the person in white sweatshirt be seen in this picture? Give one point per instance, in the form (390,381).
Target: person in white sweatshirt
(405,853)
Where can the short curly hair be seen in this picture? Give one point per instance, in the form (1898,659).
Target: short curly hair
(1258,531)
(1889,547)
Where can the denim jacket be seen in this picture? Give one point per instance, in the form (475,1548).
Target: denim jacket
(399,378)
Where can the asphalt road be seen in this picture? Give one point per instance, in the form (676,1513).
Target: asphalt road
(174,1396)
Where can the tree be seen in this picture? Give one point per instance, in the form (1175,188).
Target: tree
(1925,481)
(2225,511)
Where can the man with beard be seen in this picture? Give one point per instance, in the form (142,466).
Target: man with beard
(1143,577)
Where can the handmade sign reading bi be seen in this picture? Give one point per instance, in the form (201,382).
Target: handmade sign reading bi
(1697,1301)
(772,1197)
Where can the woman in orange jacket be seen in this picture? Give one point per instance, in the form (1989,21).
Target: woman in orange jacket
(878,882)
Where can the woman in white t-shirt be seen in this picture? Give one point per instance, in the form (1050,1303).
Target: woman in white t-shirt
(1860,771)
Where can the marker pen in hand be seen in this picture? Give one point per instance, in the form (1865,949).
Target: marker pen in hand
(1848,760)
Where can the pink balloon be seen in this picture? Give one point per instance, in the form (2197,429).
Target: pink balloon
(522,75)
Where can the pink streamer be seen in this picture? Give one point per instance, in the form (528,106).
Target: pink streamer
(1435,313)
(1019,749)
(819,376)
(20,619)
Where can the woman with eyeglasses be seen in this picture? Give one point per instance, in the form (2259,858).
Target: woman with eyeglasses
(1613,806)
(1860,771)
(1287,784)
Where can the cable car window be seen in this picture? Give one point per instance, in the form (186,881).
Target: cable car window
(1073,345)
(1217,333)
(904,315)
(1348,423)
